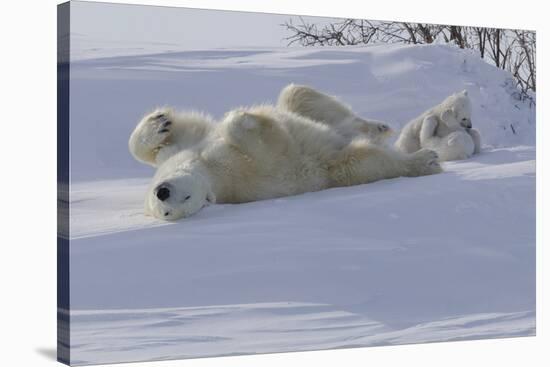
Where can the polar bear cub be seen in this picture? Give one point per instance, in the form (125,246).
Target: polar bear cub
(311,103)
(256,153)
(445,128)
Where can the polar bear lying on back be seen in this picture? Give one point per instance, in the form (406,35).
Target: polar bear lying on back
(445,128)
(256,153)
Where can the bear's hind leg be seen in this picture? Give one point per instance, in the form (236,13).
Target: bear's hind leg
(308,102)
(361,163)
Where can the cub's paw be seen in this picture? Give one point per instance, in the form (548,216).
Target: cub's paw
(425,162)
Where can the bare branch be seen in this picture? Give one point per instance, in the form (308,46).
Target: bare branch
(511,50)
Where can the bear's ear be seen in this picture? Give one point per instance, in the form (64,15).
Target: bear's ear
(464,93)
(211,197)
(447,115)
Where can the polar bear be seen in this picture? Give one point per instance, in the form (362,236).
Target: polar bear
(256,153)
(445,128)
(327,109)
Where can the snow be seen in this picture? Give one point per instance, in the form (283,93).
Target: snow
(436,258)
(265,327)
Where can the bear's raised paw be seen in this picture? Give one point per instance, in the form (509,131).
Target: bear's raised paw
(156,128)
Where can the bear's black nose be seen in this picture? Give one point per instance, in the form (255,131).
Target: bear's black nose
(466,123)
(163,193)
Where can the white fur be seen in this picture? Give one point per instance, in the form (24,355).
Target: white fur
(445,128)
(258,153)
(311,103)
(164,132)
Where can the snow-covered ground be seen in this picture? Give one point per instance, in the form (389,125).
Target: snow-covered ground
(443,257)
(177,333)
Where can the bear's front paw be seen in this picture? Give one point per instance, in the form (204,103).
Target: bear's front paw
(425,162)
(157,128)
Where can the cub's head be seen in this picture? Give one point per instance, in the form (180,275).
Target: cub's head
(178,195)
(457,111)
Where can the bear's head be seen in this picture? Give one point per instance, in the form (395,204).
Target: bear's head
(178,195)
(457,111)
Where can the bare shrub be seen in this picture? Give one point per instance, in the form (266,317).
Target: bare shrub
(507,49)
